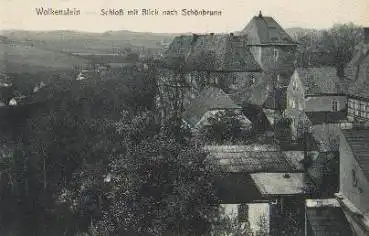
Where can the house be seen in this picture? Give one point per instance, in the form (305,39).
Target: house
(272,48)
(286,193)
(316,89)
(325,217)
(224,60)
(193,62)
(231,62)
(16,100)
(261,174)
(353,193)
(235,163)
(210,102)
(358,76)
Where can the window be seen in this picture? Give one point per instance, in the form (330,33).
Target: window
(243,210)
(276,54)
(294,85)
(334,105)
(293,104)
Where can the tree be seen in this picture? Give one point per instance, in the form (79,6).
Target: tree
(332,47)
(84,166)
(161,186)
(226,127)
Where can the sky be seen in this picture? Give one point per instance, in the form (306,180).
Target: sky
(318,14)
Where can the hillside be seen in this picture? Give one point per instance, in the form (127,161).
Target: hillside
(19,57)
(73,41)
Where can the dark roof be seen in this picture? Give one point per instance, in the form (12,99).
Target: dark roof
(265,30)
(326,219)
(358,140)
(249,158)
(321,80)
(320,117)
(359,74)
(236,188)
(210,98)
(211,53)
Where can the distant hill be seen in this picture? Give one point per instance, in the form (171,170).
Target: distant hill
(75,41)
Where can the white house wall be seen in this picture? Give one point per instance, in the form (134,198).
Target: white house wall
(359,194)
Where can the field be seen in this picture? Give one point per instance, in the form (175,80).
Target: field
(17,58)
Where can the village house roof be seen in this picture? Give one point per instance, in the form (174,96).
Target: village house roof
(248,158)
(358,139)
(280,184)
(225,52)
(325,217)
(321,80)
(264,30)
(210,98)
(321,117)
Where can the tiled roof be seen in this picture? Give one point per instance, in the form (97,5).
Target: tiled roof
(280,183)
(358,140)
(248,158)
(210,98)
(325,217)
(321,80)
(211,53)
(265,30)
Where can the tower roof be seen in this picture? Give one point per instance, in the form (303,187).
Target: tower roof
(265,30)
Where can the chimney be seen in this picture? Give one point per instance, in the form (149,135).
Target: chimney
(366,34)
(260,15)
